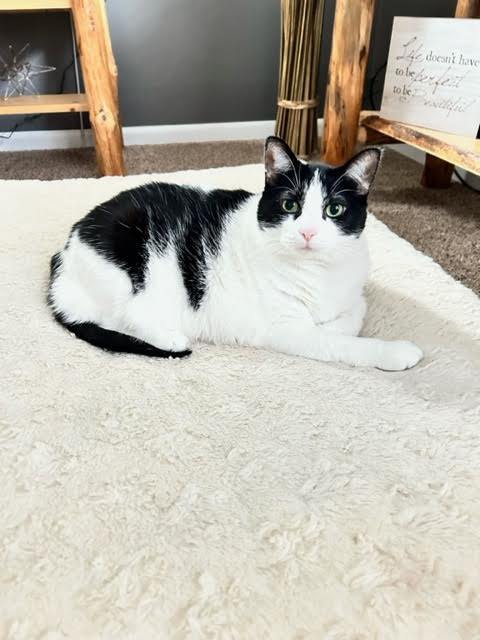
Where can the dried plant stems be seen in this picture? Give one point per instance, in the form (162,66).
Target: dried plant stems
(298,83)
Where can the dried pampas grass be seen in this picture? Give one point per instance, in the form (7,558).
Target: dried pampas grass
(299,59)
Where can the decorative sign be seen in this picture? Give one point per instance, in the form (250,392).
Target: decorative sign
(433,74)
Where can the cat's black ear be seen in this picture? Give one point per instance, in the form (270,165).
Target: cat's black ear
(363,167)
(279,158)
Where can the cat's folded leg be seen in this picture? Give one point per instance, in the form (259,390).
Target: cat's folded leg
(146,320)
(310,341)
(350,322)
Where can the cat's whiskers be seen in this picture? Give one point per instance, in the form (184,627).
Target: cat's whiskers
(338,193)
(295,188)
(335,184)
(297,177)
(289,190)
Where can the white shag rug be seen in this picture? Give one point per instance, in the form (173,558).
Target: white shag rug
(238,494)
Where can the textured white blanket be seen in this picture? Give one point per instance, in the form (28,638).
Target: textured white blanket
(238,494)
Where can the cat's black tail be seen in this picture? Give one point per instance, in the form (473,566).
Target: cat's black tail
(115,341)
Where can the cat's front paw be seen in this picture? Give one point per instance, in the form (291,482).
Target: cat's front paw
(172,341)
(179,342)
(399,355)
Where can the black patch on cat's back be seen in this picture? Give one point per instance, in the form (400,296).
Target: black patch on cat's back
(157,215)
(119,230)
(203,224)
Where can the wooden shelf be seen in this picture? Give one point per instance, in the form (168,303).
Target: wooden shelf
(461,151)
(99,73)
(51,103)
(35,5)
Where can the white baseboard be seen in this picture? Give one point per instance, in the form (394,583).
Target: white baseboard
(406,150)
(155,134)
(164,134)
(32,140)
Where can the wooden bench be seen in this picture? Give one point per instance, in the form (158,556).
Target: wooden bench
(345,123)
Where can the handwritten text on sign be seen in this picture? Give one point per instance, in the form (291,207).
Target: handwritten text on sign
(433,74)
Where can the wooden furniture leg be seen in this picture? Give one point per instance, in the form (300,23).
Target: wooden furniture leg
(346,78)
(100,83)
(110,60)
(437,173)
(467,9)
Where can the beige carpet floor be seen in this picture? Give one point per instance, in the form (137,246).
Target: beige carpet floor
(445,224)
(238,494)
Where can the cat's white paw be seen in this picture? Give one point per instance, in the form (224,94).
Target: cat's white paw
(175,341)
(179,341)
(399,355)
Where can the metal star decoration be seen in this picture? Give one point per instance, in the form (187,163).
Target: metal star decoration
(19,71)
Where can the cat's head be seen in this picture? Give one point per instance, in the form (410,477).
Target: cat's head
(315,207)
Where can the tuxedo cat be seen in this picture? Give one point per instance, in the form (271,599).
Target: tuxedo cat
(161,266)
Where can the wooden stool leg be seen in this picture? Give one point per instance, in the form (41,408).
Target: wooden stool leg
(92,37)
(110,59)
(467,9)
(437,174)
(346,78)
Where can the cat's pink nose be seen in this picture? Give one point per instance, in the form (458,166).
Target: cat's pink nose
(308,234)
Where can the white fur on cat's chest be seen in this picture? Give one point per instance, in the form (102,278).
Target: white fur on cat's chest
(328,292)
(334,296)
(264,297)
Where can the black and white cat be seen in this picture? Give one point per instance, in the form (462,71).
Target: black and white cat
(160,266)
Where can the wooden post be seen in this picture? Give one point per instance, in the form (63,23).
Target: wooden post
(467,9)
(437,174)
(93,40)
(110,60)
(346,78)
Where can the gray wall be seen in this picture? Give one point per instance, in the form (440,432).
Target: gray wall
(191,61)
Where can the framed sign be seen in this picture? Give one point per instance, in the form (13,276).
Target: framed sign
(433,74)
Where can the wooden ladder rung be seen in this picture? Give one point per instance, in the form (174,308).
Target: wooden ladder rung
(49,103)
(35,5)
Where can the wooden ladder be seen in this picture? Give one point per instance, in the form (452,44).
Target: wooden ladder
(99,75)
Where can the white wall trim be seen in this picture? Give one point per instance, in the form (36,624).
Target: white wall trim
(406,150)
(164,134)
(155,134)
(30,140)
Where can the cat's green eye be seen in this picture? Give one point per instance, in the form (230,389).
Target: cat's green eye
(335,209)
(290,206)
